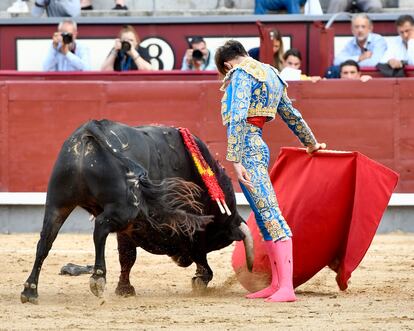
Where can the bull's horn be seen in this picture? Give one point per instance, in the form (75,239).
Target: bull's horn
(248,245)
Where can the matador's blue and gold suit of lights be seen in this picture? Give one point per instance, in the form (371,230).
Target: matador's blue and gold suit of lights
(255,89)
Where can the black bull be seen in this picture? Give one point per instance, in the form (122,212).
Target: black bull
(141,183)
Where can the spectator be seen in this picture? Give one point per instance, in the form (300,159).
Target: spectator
(87,5)
(292,63)
(365,6)
(366,48)
(198,56)
(56,8)
(400,49)
(291,6)
(127,54)
(278,51)
(18,7)
(351,70)
(65,53)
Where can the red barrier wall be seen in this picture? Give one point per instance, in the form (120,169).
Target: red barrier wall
(374,118)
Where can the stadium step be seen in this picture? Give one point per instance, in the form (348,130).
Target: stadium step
(176,12)
(188,8)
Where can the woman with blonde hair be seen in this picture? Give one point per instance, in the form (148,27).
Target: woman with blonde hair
(127,54)
(278,50)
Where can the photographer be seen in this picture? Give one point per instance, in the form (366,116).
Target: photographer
(127,54)
(65,53)
(198,56)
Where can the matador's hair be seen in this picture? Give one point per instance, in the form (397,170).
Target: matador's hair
(229,51)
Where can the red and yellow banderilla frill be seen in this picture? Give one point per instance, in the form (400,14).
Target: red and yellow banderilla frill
(207,175)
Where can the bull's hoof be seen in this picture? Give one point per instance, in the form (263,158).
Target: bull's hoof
(97,285)
(198,284)
(24,298)
(125,290)
(29,294)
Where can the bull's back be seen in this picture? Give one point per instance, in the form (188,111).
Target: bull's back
(89,161)
(161,151)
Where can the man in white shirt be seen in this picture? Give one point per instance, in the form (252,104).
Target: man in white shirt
(65,53)
(400,49)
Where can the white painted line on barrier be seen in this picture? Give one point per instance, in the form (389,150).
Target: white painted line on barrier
(397,199)
(39,198)
(402,199)
(241,199)
(22,198)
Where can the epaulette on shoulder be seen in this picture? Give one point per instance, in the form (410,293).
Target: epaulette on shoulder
(251,67)
(254,68)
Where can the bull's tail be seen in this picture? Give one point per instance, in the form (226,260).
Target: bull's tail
(171,203)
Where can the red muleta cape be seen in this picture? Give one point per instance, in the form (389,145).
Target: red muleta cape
(333,202)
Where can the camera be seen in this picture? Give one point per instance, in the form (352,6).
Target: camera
(67,38)
(197,55)
(125,46)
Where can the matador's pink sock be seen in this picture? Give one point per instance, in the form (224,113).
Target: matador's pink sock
(284,266)
(274,285)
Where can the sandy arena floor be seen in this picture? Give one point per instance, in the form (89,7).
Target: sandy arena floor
(380,295)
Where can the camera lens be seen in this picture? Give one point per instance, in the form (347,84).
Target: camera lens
(125,46)
(67,38)
(197,55)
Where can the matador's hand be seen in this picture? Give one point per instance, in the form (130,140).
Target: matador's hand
(314,148)
(242,175)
